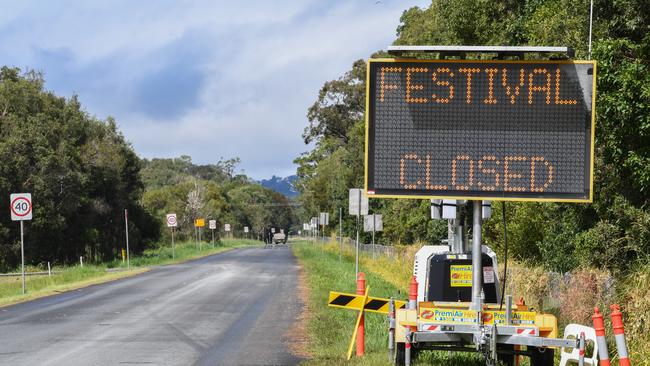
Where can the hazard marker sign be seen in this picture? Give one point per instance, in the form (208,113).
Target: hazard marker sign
(354,302)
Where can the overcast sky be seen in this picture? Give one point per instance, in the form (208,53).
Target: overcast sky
(208,79)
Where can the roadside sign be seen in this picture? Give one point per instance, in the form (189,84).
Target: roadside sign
(305,226)
(21,206)
(171,220)
(212,224)
(246,229)
(358,202)
(481,129)
(273,230)
(226,227)
(356,302)
(199,222)
(368,223)
(324,218)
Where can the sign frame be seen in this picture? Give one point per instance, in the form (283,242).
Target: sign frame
(494,197)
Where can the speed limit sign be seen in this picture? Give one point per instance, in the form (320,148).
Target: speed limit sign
(21,206)
(171,220)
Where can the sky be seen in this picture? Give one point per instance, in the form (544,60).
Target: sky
(209,79)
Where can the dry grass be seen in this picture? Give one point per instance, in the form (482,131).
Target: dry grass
(585,289)
(397,270)
(533,284)
(635,303)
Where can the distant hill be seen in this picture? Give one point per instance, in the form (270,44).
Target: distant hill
(281,185)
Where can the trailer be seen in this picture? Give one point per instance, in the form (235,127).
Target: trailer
(447,311)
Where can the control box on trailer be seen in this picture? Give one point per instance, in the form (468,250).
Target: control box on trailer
(445,276)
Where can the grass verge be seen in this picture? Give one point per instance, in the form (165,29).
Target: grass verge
(67,278)
(330,329)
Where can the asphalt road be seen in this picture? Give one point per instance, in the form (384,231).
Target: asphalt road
(234,308)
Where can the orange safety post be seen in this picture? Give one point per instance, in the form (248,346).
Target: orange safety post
(361,290)
(413,294)
(599,327)
(619,335)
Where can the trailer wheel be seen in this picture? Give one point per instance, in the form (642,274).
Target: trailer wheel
(507,359)
(541,356)
(400,354)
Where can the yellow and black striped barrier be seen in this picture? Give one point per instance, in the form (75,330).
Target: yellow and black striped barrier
(356,302)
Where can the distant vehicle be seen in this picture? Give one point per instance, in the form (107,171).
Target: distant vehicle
(279,238)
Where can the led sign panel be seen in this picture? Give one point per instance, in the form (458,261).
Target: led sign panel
(500,130)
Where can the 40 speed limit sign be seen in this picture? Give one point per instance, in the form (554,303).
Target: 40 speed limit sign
(21,206)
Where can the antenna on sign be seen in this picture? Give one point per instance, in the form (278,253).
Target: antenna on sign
(591,21)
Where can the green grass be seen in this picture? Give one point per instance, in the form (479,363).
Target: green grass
(69,278)
(330,329)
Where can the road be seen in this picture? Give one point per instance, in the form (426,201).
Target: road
(234,308)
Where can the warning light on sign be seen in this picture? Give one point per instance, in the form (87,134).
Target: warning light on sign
(500,130)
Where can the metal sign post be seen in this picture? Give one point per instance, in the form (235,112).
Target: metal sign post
(358,206)
(21,210)
(340,233)
(126,229)
(476,256)
(172,222)
(373,235)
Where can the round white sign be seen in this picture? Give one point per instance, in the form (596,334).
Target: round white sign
(171,220)
(21,206)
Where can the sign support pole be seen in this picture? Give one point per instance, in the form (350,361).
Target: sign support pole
(173,249)
(356,260)
(373,236)
(340,233)
(22,253)
(213,238)
(126,229)
(477,267)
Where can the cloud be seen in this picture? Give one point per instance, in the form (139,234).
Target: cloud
(206,78)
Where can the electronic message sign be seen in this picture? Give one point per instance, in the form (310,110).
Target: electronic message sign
(471,129)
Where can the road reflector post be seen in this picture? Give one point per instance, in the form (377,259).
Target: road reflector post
(49,269)
(413,294)
(361,303)
(361,287)
(364,298)
(599,327)
(407,347)
(81,260)
(619,335)
(581,350)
